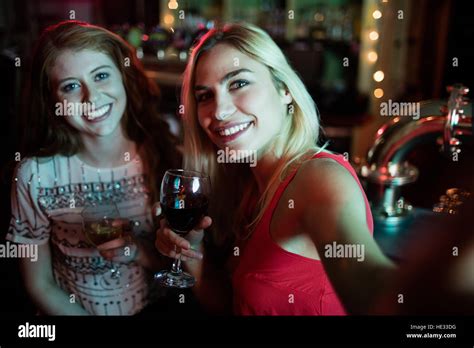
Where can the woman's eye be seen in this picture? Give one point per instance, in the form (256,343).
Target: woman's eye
(68,88)
(203,97)
(101,76)
(238,84)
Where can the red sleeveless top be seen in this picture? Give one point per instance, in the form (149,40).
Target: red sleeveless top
(272,281)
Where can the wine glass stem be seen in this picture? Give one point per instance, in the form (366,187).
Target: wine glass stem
(176,268)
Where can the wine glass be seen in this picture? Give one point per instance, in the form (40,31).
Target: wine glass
(102,223)
(184,199)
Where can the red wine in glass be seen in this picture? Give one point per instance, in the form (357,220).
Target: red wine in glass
(184,199)
(182,220)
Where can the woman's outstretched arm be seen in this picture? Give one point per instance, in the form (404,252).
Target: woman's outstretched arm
(334,215)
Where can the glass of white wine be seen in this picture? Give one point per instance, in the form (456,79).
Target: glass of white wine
(102,223)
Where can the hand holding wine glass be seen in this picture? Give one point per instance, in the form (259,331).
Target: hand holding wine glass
(184,199)
(167,241)
(108,232)
(122,249)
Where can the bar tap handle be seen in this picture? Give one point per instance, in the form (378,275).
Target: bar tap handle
(454,118)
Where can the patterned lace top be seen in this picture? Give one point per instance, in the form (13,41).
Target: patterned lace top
(48,195)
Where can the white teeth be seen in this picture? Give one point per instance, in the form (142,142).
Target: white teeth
(234,129)
(99,112)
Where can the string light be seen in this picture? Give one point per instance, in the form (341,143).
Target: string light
(373,35)
(372,56)
(169,19)
(379,75)
(378,93)
(377,14)
(173,5)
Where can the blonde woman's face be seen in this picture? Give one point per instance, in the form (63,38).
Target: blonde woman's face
(89,92)
(238,105)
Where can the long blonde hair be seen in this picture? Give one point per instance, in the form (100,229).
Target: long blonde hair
(234,187)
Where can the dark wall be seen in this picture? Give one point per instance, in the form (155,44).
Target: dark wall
(461,46)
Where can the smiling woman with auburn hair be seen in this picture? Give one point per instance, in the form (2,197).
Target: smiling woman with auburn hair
(113,151)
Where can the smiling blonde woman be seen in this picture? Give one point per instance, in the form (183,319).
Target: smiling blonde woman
(271,223)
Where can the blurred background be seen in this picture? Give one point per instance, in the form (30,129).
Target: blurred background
(353,55)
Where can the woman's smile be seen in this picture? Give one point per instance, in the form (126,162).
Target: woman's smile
(99,114)
(230,132)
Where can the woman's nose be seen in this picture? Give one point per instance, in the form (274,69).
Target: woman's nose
(224,107)
(92,95)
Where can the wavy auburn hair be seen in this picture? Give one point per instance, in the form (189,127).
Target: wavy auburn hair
(45,134)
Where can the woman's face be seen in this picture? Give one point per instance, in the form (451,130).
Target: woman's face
(238,105)
(90,85)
